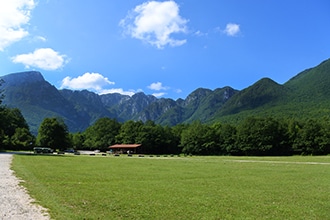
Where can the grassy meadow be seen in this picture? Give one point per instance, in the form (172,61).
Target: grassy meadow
(86,187)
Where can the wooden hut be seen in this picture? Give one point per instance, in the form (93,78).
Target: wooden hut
(126,148)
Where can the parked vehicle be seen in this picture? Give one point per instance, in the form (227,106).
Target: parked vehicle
(42,150)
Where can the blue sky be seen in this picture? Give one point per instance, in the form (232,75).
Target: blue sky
(164,48)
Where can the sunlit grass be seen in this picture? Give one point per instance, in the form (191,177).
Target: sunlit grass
(83,187)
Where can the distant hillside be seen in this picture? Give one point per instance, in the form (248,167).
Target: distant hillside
(265,92)
(37,99)
(304,95)
(312,83)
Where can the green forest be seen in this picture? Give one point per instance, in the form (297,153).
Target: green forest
(253,136)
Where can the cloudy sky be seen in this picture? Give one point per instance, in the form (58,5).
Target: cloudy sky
(164,48)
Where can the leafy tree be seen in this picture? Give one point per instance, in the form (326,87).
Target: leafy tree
(325,138)
(129,131)
(22,139)
(101,134)
(10,121)
(261,136)
(171,141)
(293,130)
(156,139)
(226,139)
(53,133)
(177,132)
(149,136)
(312,137)
(3,138)
(199,139)
(77,140)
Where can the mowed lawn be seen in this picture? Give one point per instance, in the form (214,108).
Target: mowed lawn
(86,187)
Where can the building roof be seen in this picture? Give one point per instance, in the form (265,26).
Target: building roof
(125,146)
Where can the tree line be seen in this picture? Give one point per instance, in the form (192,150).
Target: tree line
(254,136)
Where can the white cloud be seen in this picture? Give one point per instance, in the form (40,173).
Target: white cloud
(200,33)
(154,22)
(94,81)
(232,29)
(14,14)
(43,58)
(117,90)
(159,94)
(40,38)
(157,86)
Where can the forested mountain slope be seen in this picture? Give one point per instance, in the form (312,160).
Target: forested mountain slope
(37,99)
(307,95)
(304,96)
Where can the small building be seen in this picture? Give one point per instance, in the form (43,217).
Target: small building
(126,148)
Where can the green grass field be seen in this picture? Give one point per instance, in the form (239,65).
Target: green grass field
(84,187)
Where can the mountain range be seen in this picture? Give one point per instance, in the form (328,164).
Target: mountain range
(306,95)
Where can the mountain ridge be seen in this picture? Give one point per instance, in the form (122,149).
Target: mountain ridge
(37,99)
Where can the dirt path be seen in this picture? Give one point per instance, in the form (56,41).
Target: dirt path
(15,203)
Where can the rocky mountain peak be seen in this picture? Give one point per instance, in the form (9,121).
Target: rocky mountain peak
(196,96)
(15,79)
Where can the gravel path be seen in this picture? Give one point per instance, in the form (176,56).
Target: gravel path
(15,203)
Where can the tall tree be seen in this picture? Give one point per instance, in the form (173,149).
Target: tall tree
(101,134)
(156,139)
(129,132)
(172,141)
(325,138)
(22,139)
(77,140)
(10,121)
(313,137)
(262,136)
(226,138)
(199,139)
(53,133)
(177,133)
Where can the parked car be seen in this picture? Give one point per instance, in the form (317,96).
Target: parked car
(71,150)
(42,150)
